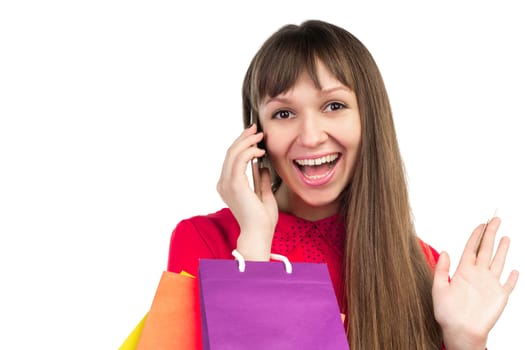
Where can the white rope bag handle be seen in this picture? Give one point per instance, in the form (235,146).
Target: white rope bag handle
(242,263)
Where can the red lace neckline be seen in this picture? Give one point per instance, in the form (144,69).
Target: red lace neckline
(313,240)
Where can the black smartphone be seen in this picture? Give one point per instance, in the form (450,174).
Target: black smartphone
(262,162)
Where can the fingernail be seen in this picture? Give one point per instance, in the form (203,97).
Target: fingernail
(497,213)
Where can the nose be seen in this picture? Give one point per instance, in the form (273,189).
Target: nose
(311,131)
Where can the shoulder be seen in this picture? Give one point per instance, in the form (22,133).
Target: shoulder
(219,225)
(202,236)
(222,218)
(430,253)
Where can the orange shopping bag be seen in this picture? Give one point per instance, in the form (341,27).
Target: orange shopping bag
(173,322)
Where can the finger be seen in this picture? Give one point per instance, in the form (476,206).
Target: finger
(245,139)
(243,142)
(246,134)
(469,253)
(441,273)
(486,247)
(251,130)
(501,255)
(511,282)
(240,154)
(242,150)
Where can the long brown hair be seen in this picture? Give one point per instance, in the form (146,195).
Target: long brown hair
(388,281)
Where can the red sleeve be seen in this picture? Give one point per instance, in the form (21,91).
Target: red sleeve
(186,247)
(430,253)
(212,236)
(432,257)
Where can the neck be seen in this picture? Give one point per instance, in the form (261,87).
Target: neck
(291,203)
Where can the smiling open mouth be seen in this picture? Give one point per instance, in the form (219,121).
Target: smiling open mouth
(317,168)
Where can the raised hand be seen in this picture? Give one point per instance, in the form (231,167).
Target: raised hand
(255,210)
(468,305)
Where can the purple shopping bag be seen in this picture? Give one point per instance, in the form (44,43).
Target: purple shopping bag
(264,307)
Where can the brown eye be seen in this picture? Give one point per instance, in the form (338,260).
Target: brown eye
(334,106)
(283,114)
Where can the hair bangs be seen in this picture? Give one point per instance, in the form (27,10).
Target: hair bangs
(287,56)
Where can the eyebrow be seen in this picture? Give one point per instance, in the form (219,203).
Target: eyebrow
(336,88)
(275,99)
(324,91)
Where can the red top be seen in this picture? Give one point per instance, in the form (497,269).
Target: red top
(215,236)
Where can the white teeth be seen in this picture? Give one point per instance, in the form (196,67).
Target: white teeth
(314,177)
(317,161)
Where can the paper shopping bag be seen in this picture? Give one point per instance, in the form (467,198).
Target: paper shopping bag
(130,343)
(266,308)
(173,321)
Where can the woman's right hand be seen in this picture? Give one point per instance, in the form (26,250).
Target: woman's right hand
(255,210)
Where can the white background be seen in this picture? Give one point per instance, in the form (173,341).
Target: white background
(115,117)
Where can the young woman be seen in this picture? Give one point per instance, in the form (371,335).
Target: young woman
(334,191)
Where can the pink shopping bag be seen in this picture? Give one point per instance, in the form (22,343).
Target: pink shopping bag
(264,307)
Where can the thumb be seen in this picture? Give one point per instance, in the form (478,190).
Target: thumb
(441,272)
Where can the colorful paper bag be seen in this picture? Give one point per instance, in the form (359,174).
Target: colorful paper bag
(265,307)
(130,343)
(173,321)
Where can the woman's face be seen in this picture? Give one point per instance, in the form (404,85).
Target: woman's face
(312,137)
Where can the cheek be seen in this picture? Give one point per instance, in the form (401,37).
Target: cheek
(277,149)
(274,147)
(350,136)
(275,141)
(354,141)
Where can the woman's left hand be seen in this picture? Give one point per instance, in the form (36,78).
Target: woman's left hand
(468,305)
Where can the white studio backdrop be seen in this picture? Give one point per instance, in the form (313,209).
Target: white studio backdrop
(115,117)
